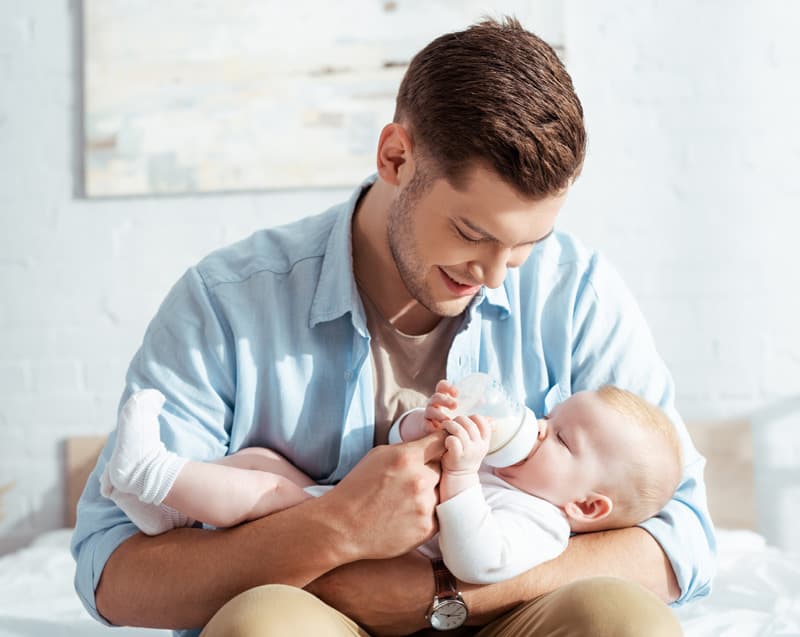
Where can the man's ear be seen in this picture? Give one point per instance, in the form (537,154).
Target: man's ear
(593,508)
(395,151)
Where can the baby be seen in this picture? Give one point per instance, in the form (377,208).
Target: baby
(603,459)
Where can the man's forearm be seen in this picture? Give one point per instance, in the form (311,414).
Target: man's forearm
(399,591)
(387,597)
(181,578)
(383,508)
(630,554)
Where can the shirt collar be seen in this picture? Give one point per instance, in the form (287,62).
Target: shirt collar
(498,297)
(336,292)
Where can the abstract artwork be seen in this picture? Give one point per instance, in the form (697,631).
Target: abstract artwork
(192,96)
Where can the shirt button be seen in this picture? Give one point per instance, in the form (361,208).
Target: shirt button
(348,375)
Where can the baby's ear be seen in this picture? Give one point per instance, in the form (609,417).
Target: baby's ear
(593,508)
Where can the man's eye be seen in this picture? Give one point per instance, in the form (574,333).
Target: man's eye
(561,440)
(466,237)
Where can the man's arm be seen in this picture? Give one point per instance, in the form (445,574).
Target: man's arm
(609,342)
(179,579)
(606,553)
(383,508)
(401,590)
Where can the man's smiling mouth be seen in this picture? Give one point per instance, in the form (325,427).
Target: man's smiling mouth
(459,283)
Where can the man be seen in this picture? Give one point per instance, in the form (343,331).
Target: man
(309,339)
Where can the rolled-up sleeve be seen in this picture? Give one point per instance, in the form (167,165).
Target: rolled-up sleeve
(684,531)
(100,529)
(612,344)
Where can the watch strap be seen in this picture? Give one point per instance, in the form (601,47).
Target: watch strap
(444,581)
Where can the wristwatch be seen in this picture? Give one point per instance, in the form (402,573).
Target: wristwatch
(448,610)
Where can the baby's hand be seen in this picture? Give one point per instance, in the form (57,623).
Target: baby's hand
(467,444)
(441,405)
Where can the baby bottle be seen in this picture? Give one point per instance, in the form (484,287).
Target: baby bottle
(515,430)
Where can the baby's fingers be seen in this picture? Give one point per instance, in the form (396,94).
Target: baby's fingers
(446,387)
(434,412)
(441,399)
(454,446)
(476,427)
(457,430)
(482,427)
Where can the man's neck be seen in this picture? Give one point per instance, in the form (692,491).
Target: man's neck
(375,269)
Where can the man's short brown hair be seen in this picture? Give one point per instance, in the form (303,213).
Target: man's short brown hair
(494,95)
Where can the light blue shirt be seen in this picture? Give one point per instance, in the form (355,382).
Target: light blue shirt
(265,343)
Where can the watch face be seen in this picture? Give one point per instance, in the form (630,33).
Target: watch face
(449,614)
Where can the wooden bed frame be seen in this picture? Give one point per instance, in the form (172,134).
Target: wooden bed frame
(726,445)
(80,456)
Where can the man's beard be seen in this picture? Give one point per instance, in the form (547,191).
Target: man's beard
(403,248)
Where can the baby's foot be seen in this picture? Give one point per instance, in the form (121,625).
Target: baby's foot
(140,464)
(151,519)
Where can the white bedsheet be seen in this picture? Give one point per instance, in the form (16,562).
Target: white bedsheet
(37,597)
(756,594)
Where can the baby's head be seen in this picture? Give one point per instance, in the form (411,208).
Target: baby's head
(608,459)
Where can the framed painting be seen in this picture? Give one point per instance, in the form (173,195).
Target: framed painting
(191,96)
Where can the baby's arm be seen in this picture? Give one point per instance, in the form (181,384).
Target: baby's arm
(494,532)
(489,535)
(418,423)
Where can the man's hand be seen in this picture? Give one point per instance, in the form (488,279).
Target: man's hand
(385,506)
(388,597)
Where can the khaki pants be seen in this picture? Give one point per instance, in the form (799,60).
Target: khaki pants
(598,607)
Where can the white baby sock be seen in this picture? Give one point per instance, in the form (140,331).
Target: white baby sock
(140,463)
(151,519)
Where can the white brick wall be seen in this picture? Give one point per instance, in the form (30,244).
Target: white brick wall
(690,187)
(690,184)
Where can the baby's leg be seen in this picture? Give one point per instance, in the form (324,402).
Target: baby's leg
(244,486)
(142,472)
(151,519)
(234,489)
(266,460)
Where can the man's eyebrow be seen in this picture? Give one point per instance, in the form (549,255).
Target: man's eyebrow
(490,237)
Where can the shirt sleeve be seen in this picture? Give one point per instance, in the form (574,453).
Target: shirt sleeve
(489,534)
(613,345)
(187,355)
(394,431)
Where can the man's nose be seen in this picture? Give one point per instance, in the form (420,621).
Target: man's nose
(491,269)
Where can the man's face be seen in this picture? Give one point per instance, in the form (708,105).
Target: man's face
(447,243)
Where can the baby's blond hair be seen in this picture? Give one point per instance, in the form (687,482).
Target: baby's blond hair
(654,468)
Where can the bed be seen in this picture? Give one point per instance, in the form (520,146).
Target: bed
(756,594)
